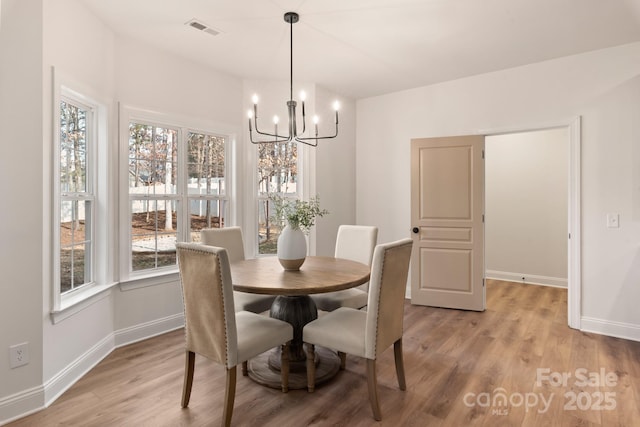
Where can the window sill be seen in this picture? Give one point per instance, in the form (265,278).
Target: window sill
(77,302)
(143,282)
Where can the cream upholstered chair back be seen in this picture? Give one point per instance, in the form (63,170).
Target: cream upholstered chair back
(210,321)
(229,238)
(385,309)
(356,242)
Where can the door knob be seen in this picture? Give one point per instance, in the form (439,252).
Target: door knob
(415,230)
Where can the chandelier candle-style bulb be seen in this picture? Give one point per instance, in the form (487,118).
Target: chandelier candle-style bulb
(293,135)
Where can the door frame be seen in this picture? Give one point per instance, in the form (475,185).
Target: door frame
(574,266)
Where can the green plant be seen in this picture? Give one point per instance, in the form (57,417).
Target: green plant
(299,214)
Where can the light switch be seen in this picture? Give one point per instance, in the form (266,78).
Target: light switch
(613,220)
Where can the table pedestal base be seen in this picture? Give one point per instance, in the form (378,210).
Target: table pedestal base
(265,369)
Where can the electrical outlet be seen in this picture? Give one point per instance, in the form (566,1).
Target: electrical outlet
(19,355)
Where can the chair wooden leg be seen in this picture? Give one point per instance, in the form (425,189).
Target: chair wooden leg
(397,352)
(373,389)
(229,396)
(245,368)
(311,368)
(188,377)
(284,367)
(343,360)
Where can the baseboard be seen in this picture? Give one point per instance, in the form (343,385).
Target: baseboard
(148,330)
(69,375)
(21,404)
(626,331)
(33,400)
(530,279)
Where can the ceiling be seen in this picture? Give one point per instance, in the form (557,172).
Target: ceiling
(363,48)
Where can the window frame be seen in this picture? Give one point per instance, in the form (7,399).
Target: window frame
(130,278)
(98,191)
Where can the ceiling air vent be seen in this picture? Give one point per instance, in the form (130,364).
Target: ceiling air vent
(199,25)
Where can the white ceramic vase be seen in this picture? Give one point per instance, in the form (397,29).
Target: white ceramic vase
(292,248)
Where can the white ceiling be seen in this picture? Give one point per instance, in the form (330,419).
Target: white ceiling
(362,48)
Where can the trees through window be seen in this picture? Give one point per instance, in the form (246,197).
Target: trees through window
(176,187)
(277,173)
(77,197)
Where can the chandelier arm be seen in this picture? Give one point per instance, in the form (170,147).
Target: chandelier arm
(271,141)
(301,139)
(274,135)
(306,141)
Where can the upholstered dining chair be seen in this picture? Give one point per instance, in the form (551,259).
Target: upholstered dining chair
(214,329)
(354,242)
(230,238)
(368,333)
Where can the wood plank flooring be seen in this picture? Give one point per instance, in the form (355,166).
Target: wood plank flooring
(458,366)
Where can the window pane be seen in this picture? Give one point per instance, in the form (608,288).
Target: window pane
(73,148)
(154,227)
(206,214)
(153,153)
(268,230)
(206,164)
(75,244)
(277,168)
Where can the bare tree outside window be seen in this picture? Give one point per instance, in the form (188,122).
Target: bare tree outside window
(277,173)
(153,155)
(76,198)
(207,182)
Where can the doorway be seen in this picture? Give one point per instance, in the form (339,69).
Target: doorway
(526,207)
(573,279)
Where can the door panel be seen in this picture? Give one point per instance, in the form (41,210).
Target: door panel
(447,205)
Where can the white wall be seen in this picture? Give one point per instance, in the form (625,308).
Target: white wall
(21,250)
(601,86)
(335,171)
(526,206)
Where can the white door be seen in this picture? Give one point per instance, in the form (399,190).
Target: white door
(447,208)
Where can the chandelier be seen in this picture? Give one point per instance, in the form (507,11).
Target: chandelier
(293,136)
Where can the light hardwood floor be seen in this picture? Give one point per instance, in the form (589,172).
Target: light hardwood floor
(454,361)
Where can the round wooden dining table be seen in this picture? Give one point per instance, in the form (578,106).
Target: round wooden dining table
(293,304)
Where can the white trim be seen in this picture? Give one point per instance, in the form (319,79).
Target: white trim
(627,331)
(143,282)
(79,301)
(530,279)
(21,404)
(574,270)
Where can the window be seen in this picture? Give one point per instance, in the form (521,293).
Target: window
(82,214)
(153,198)
(76,252)
(176,186)
(277,173)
